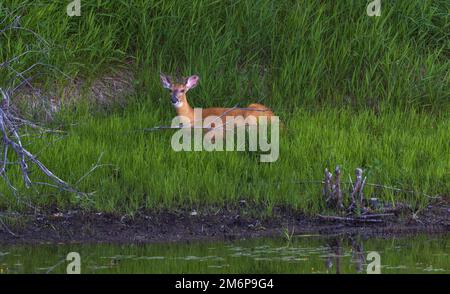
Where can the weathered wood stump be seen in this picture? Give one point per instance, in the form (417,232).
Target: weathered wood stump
(332,189)
(359,209)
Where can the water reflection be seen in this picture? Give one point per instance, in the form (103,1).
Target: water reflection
(337,245)
(302,254)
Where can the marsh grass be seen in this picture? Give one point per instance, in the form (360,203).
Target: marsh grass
(293,53)
(352,90)
(404,150)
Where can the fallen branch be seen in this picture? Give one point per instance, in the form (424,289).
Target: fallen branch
(12,140)
(349,219)
(12,125)
(376,215)
(7,228)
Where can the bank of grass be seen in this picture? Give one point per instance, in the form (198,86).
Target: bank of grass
(406,150)
(352,90)
(293,53)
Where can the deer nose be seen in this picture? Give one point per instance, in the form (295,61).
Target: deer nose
(174,98)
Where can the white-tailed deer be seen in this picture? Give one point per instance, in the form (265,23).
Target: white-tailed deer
(178,90)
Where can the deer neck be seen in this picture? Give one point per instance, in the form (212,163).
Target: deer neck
(184,109)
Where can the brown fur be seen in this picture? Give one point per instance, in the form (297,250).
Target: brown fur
(180,89)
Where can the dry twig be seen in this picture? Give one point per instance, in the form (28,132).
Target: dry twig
(12,125)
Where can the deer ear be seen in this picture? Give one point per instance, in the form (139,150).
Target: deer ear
(192,81)
(165,81)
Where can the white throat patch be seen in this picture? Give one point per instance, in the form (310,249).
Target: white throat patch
(178,104)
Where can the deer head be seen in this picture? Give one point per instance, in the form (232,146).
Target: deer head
(179,88)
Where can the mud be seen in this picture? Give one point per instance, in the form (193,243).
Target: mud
(211,224)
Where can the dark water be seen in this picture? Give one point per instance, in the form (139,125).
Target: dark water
(301,254)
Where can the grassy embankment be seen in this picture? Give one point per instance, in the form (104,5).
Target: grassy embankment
(352,90)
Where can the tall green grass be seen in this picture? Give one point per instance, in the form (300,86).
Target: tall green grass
(293,53)
(405,150)
(359,91)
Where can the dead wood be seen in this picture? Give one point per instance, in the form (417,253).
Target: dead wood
(13,128)
(349,219)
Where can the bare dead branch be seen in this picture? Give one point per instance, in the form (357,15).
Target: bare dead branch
(327,187)
(12,125)
(7,228)
(349,219)
(337,193)
(94,167)
(356,188)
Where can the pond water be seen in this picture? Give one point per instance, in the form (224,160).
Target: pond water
(300,254)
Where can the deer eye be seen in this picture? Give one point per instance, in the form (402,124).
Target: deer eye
(182,91)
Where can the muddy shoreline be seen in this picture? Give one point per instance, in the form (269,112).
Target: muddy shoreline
(78,226)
